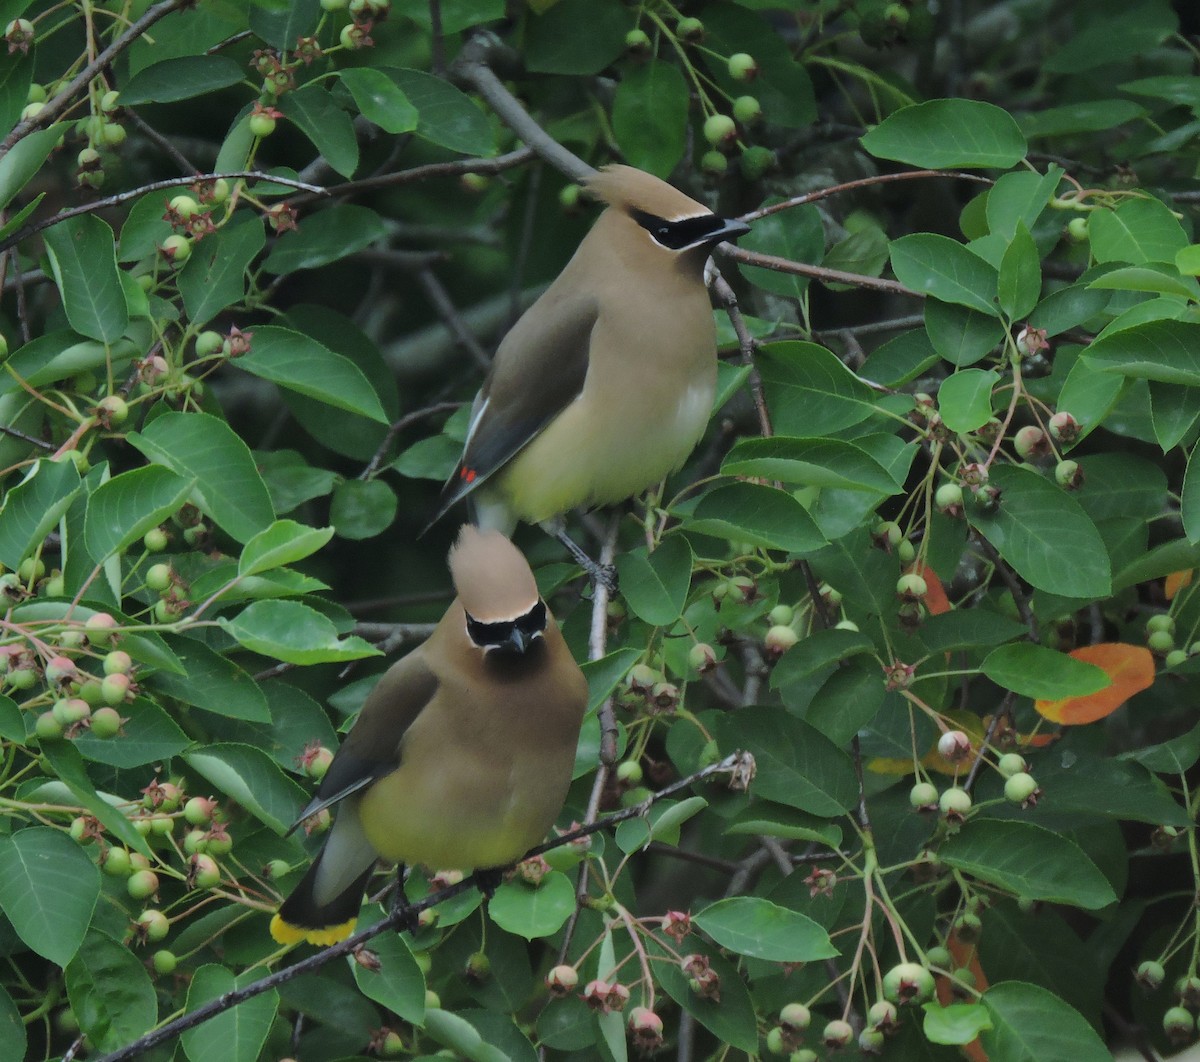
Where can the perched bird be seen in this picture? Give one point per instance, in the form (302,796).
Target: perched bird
(462,754)
(605,384)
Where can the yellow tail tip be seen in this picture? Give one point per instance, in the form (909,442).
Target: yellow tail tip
(286,933)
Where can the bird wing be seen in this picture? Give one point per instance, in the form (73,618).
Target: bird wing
(372,748)
(538,371)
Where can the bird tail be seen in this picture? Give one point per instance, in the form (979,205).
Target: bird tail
(323,908)
(302,917)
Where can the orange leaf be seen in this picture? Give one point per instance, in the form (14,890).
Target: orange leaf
(935,597)
(1131,668)
(1176,581)
(964,955)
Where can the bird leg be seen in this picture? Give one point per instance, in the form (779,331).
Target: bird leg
(488,879)
(600,574)
(405,916)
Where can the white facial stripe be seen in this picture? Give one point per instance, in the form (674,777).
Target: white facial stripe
(506,619)
(689,217)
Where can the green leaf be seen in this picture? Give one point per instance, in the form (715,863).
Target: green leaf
(661,823)
(1136,231)
(122,510)
(180,79)
(16,76)
(1067,308)
(1189,503)
(326,125)
(398,983)
(281,23)
(798,235)
(33,507)
(13,1039)
(342,230)
(1030,1024)
(147,735)
(762,516)
(1148,278)
(249,776)
(12,722)
(24,159)
(965,399)
(1019,199)
(214,277)
(958,1023)
(1187,260)
(821,649)
(1044,534)
(284,542)
(1020,280)
(290,631)
(48,889)
(948,134)
(1167,351)
(902,358)
(1085,116)
(534,912)
(200,447)
(959,335)
(655,585)
(809,391)
(1035,671)
(461,1036)
(111,993)
(233,1035)
(1031,861)
(212,682)
(748,925)
(810,462)
(299,363)
(554,45)
(448,117)
(362,508)
(797,765)
(84,261)
(1111,37)
(944,268)
(380,100)
(649,116)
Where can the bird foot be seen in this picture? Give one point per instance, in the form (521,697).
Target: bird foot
(598,574)
(489,881)
(404,915)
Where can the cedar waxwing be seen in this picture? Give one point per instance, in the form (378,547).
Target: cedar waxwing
(463,752)
(605,384)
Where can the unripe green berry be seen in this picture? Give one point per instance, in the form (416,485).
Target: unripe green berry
(690,29)
(71,710)
(1031,442)
(117,662)
(142,884)
(1178,1024)
(747,109)
(714,162)
(1175,657)
(702,657)
(199,810)
(911,586)
(779,640)
(47,727)
(155,540)
(114,689)
(756,161)
(204,872)
(1019,788)
(742,67)
(629,772)
(795,1017)
(837,1033)
(154,924)
(906,552)
(176,249)
(1077,229)
(719,128)
(923,795)
(158,577)
(776,1044)
(113,134)
(955,801)
(907,982)
(263,125)
(1160,641)
(947,497)
(1160,621)
(1011,763)
(164,962)
(105,723)
(116,863)
(1150,974)
(1068,474)
(637,41)
(209,343)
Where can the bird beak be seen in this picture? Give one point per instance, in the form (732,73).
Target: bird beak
(517,643)
(730,231)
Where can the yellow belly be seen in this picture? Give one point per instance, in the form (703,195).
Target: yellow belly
(598,453)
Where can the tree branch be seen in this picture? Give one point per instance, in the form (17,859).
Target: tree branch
(837,276)
(53,108)
(739,766)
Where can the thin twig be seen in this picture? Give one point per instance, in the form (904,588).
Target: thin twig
(836,276)
(53,108)
(398,426)
(729,303)
(437,294)
(387,636)
(473,67)
(161,142)
(862,182)
(736,765)
(35,227)
(423,173)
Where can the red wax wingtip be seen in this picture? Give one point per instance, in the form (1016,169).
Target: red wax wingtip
(467,475)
